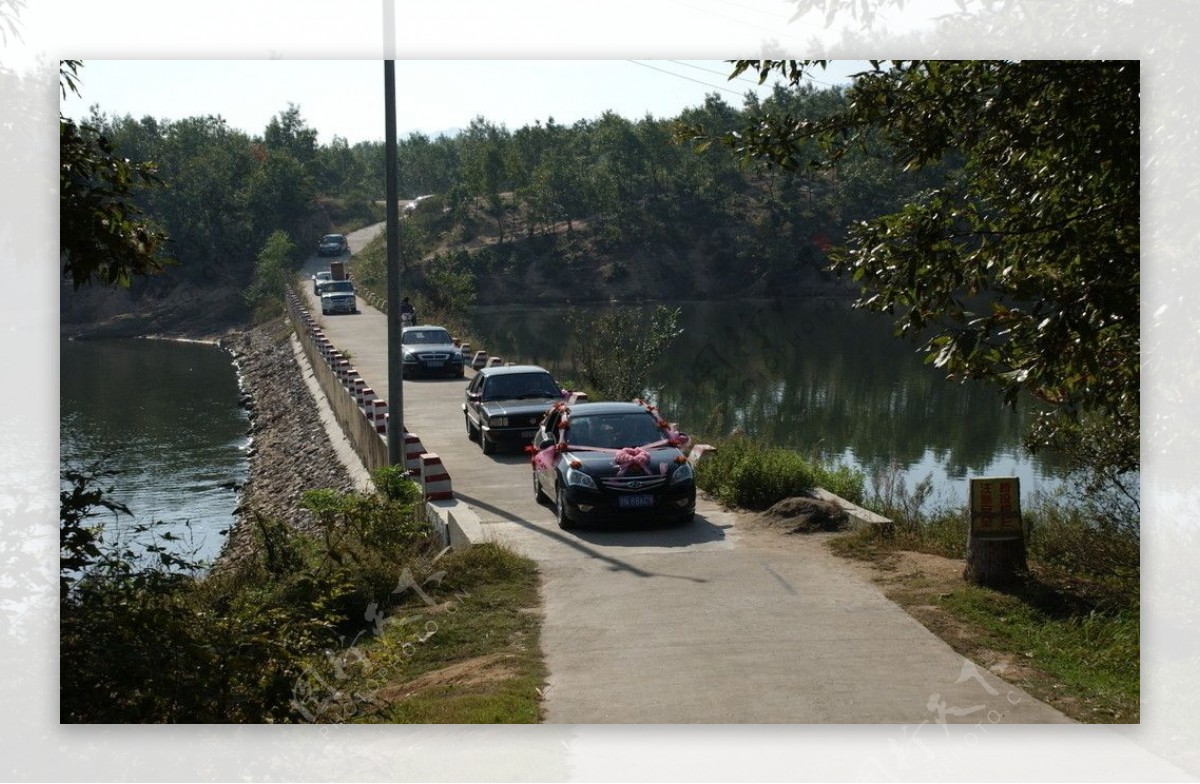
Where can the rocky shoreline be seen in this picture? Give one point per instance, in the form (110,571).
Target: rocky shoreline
(289,449)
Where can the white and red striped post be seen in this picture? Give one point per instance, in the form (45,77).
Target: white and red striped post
(340,367)
(366,400)
(381,416)
(412,452)
(434,480)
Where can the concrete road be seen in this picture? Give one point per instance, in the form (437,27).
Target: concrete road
(712,622)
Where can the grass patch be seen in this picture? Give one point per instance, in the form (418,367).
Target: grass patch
(462,647)
(1091,659)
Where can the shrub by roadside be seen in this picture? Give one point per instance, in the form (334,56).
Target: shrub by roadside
(266,639)
(745,474)
(164,642)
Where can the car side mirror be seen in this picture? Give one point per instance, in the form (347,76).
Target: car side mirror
(474,397)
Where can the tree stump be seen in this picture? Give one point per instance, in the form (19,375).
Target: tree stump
(995,562)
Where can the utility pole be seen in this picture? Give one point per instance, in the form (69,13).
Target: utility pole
(395,432)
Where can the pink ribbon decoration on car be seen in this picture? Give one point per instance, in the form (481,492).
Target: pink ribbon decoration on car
(629,457)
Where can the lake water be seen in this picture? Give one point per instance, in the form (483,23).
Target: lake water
(813,375)
(165,415)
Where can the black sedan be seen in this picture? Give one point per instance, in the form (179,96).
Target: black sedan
(505,405)
(430,351)
(612,461)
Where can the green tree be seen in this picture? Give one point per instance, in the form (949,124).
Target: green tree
(273,270)
(618,170)
(487,166)
(556,189)
(340,170)
(616,350)
(426,166)
(450,287)
(79,538)
(288,132)
(1021,267)
(103,235)
(206,165)
(279,195)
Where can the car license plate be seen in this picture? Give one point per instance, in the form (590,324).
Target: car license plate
(433,364)
(640,501)
(528,433)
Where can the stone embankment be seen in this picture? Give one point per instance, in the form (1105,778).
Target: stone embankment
(289,449)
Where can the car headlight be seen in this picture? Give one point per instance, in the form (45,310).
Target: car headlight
(682,474)
(580,479)
(498,421)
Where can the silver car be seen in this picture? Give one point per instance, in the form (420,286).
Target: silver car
(337,296)
(319,278)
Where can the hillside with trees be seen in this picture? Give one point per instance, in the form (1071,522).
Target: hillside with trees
(604,209)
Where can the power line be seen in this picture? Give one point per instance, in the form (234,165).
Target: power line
(752,82)
(688,78)
(745,79)
(709,70)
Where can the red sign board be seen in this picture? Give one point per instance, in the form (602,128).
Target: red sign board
(996,506)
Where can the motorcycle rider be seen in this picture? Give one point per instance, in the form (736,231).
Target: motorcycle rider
(408,314)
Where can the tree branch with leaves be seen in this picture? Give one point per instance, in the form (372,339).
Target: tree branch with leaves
(1020,266)
(103,236)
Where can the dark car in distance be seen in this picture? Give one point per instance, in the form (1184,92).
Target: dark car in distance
(605,462)
(505,405)
(430,351)
(332,245)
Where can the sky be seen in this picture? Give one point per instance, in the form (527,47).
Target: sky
(345,98)
(445,92)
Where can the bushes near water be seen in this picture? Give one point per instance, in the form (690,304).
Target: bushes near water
(1088,536)
(246,642)
(746,474)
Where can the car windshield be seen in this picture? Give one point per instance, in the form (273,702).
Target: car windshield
(614,431)
(426,337)
(337,287)
(331,238)
(518,386)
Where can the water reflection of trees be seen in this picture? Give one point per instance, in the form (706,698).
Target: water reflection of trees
(811,375)
(163,406)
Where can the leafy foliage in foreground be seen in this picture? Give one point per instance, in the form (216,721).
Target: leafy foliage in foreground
(103,234)
(1022,262)
(152,642)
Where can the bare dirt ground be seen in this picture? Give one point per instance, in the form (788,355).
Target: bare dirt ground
(490,668)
